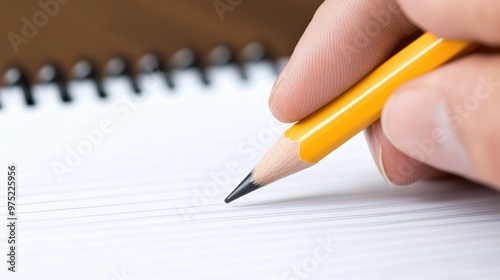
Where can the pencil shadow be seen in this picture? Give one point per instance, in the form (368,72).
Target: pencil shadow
(428,191)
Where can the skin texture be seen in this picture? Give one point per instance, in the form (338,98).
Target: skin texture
(447,120)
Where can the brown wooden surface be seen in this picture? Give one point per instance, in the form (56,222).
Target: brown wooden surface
(100,29)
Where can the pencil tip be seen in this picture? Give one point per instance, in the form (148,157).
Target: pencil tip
(245,187)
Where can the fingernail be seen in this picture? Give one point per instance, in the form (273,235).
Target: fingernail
(415,121)
(375,146)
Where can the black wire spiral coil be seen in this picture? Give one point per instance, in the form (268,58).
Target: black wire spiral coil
(148,63)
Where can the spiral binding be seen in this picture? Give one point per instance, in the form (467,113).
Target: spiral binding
(148,63)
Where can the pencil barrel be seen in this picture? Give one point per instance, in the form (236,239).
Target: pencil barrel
(325,130)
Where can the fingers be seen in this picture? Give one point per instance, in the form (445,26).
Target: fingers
(450,118)
(396,167)
(345,40)
(476,20)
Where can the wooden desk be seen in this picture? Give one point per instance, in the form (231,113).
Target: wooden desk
(99,29)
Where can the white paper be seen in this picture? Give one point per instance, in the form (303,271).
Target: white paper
(147,200)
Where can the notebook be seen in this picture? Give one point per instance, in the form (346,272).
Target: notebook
(131,187)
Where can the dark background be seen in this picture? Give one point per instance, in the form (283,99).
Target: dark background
(99,30)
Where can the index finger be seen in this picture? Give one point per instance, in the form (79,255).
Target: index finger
(345,40)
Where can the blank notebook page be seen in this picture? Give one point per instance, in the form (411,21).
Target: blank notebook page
(132,187)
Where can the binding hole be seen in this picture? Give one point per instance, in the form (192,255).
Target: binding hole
(49,73)
(14,76)
(117,66)
(150,64)
(84,70)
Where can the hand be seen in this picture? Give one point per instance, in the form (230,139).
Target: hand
(447,120)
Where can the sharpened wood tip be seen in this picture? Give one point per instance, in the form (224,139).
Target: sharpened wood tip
(281,160)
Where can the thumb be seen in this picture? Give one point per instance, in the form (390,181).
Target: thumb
(450,118)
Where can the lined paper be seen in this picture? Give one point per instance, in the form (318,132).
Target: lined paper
(147,201)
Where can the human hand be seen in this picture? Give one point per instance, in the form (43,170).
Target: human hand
(448,119)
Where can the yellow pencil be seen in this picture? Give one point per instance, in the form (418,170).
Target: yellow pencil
(313,138)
